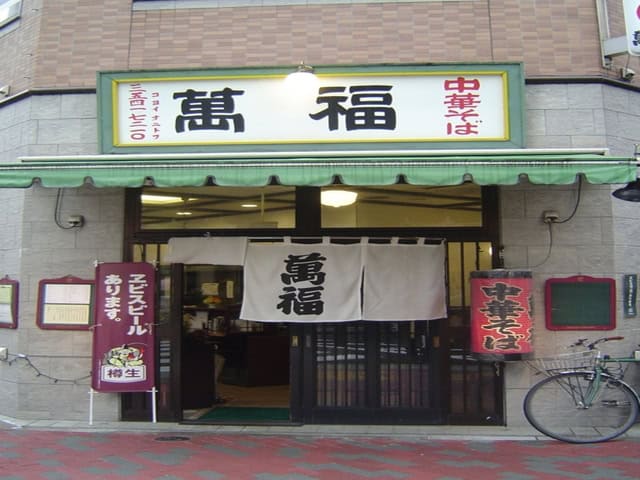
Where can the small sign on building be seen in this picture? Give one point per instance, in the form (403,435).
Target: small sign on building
(632,25)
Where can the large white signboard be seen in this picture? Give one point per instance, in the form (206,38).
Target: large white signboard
(263,110)
(334,107)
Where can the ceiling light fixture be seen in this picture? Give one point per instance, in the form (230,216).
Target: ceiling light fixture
(337,198)
(302,68)
(631,191)
(148,199)
(302,77)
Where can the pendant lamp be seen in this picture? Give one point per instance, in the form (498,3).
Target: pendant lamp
(629,193)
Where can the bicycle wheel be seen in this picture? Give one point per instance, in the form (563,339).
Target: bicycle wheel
(556,406)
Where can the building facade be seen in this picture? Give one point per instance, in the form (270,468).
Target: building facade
(575,99)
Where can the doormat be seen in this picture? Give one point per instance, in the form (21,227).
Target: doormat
(247,414)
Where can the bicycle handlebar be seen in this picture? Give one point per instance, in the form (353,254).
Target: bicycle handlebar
(592,345)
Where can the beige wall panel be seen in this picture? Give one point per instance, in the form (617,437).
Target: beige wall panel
(552,38)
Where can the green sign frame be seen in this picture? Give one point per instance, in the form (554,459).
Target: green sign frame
(513,105)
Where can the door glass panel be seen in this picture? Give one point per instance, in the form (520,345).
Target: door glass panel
(463,259)
(400,360)
(166,350)
(404,369)
(136,406)
(340,365)
(217,207)
(405,206)
(475,386)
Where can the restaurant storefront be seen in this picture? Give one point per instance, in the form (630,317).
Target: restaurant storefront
(326,372)
(226,158)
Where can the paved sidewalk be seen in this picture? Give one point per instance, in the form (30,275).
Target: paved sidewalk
(417,431)
(60,454)
(457,432)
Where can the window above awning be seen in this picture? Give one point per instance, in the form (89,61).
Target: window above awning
(383,167)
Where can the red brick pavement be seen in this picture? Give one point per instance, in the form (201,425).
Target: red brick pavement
(55,455)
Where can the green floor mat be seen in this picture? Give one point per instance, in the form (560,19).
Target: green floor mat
(247,414)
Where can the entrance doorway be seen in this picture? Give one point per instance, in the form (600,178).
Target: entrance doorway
(389,372)
(232,370)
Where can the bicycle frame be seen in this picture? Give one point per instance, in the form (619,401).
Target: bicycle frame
(601,371)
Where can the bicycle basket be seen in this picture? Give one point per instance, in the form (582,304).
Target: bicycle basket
(583,360)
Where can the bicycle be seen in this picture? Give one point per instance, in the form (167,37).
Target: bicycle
(583,398)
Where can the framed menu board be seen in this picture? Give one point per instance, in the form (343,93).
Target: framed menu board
(580,303)
(65,303)
(8,303)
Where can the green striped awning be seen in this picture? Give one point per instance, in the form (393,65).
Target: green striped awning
(437,167)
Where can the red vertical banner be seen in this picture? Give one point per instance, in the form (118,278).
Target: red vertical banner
(123,337)
(501,321)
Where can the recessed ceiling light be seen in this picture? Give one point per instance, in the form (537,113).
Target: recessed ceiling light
(249,205)
(159,199)
(338,198)
(184,213)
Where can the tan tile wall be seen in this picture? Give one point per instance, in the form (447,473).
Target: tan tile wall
(18,46)
(551,37)
(374,33)
(79,38)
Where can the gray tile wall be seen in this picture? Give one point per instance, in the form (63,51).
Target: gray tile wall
(32,247)
(599,240)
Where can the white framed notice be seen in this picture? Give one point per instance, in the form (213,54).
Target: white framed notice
(8,303)
(65,303)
